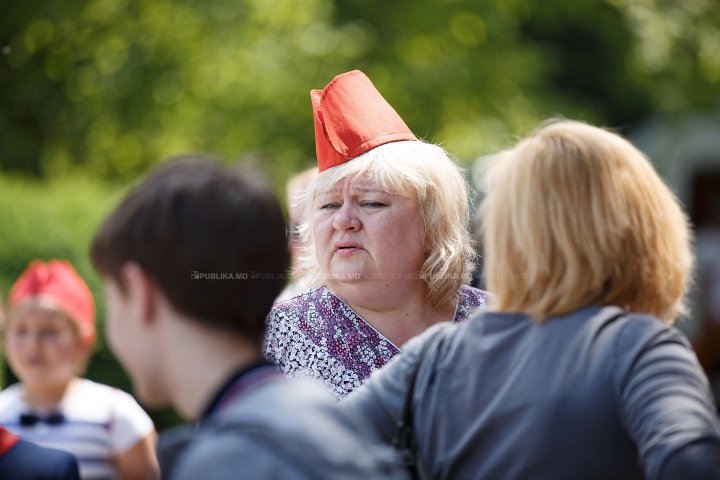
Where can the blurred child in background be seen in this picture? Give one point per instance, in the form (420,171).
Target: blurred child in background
(295,187)
(22,459)
(49,335)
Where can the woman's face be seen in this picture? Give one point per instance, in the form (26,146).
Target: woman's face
(363,233)
(43,346)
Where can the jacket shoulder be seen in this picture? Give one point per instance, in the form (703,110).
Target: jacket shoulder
(286,430)
(27,460)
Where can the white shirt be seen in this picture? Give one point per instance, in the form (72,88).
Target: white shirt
(101,423)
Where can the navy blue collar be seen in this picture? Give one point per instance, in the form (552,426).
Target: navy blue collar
(232,380)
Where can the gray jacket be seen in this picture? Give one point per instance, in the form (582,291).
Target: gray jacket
(585,396)
(281,430)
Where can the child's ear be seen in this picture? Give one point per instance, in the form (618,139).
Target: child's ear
(86,350)
(141,291)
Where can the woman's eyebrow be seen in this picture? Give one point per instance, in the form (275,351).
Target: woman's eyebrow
(362,189)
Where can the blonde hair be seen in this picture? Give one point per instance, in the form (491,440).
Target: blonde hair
(577,216)
(410,169)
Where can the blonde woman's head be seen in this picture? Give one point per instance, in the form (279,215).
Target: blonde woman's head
(423,175)
(576,216)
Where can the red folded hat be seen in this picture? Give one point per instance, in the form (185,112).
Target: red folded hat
(58,283)
(351,117)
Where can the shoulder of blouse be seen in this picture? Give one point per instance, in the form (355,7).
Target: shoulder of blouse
(470,300)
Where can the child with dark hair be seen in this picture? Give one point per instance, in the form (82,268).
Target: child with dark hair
(192,260)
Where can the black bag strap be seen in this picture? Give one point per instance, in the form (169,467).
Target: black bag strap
(405,441)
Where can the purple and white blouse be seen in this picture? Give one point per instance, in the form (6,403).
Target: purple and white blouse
(317,335)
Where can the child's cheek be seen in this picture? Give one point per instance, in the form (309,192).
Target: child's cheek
(14,347)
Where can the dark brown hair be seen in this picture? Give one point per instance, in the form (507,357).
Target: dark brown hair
(213,239)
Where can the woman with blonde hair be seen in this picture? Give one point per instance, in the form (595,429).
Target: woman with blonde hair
(575,371)
(388,249)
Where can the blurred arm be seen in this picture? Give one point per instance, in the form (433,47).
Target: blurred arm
(665,403)
(698,461)
(140,462)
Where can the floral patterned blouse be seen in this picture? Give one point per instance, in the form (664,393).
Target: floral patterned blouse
(317,335)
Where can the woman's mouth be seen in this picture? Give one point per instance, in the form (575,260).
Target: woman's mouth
(345,249)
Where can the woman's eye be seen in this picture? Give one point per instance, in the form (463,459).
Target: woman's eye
(373,204)
(329,206)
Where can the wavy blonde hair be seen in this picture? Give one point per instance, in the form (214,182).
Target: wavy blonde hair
(410,169)
(577,216)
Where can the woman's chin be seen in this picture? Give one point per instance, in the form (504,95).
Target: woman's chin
(346,277)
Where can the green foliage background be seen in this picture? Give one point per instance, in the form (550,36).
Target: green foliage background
(109,87)
(95,92)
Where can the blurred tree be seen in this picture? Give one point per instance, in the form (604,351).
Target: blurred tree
(626,59)
(111,86)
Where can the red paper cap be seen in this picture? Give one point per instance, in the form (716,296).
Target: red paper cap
(351,117)
(57,282)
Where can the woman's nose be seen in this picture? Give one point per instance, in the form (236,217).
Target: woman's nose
(346,219)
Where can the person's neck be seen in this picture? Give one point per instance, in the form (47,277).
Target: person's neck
(398,315)
(200,360)
(47,396)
